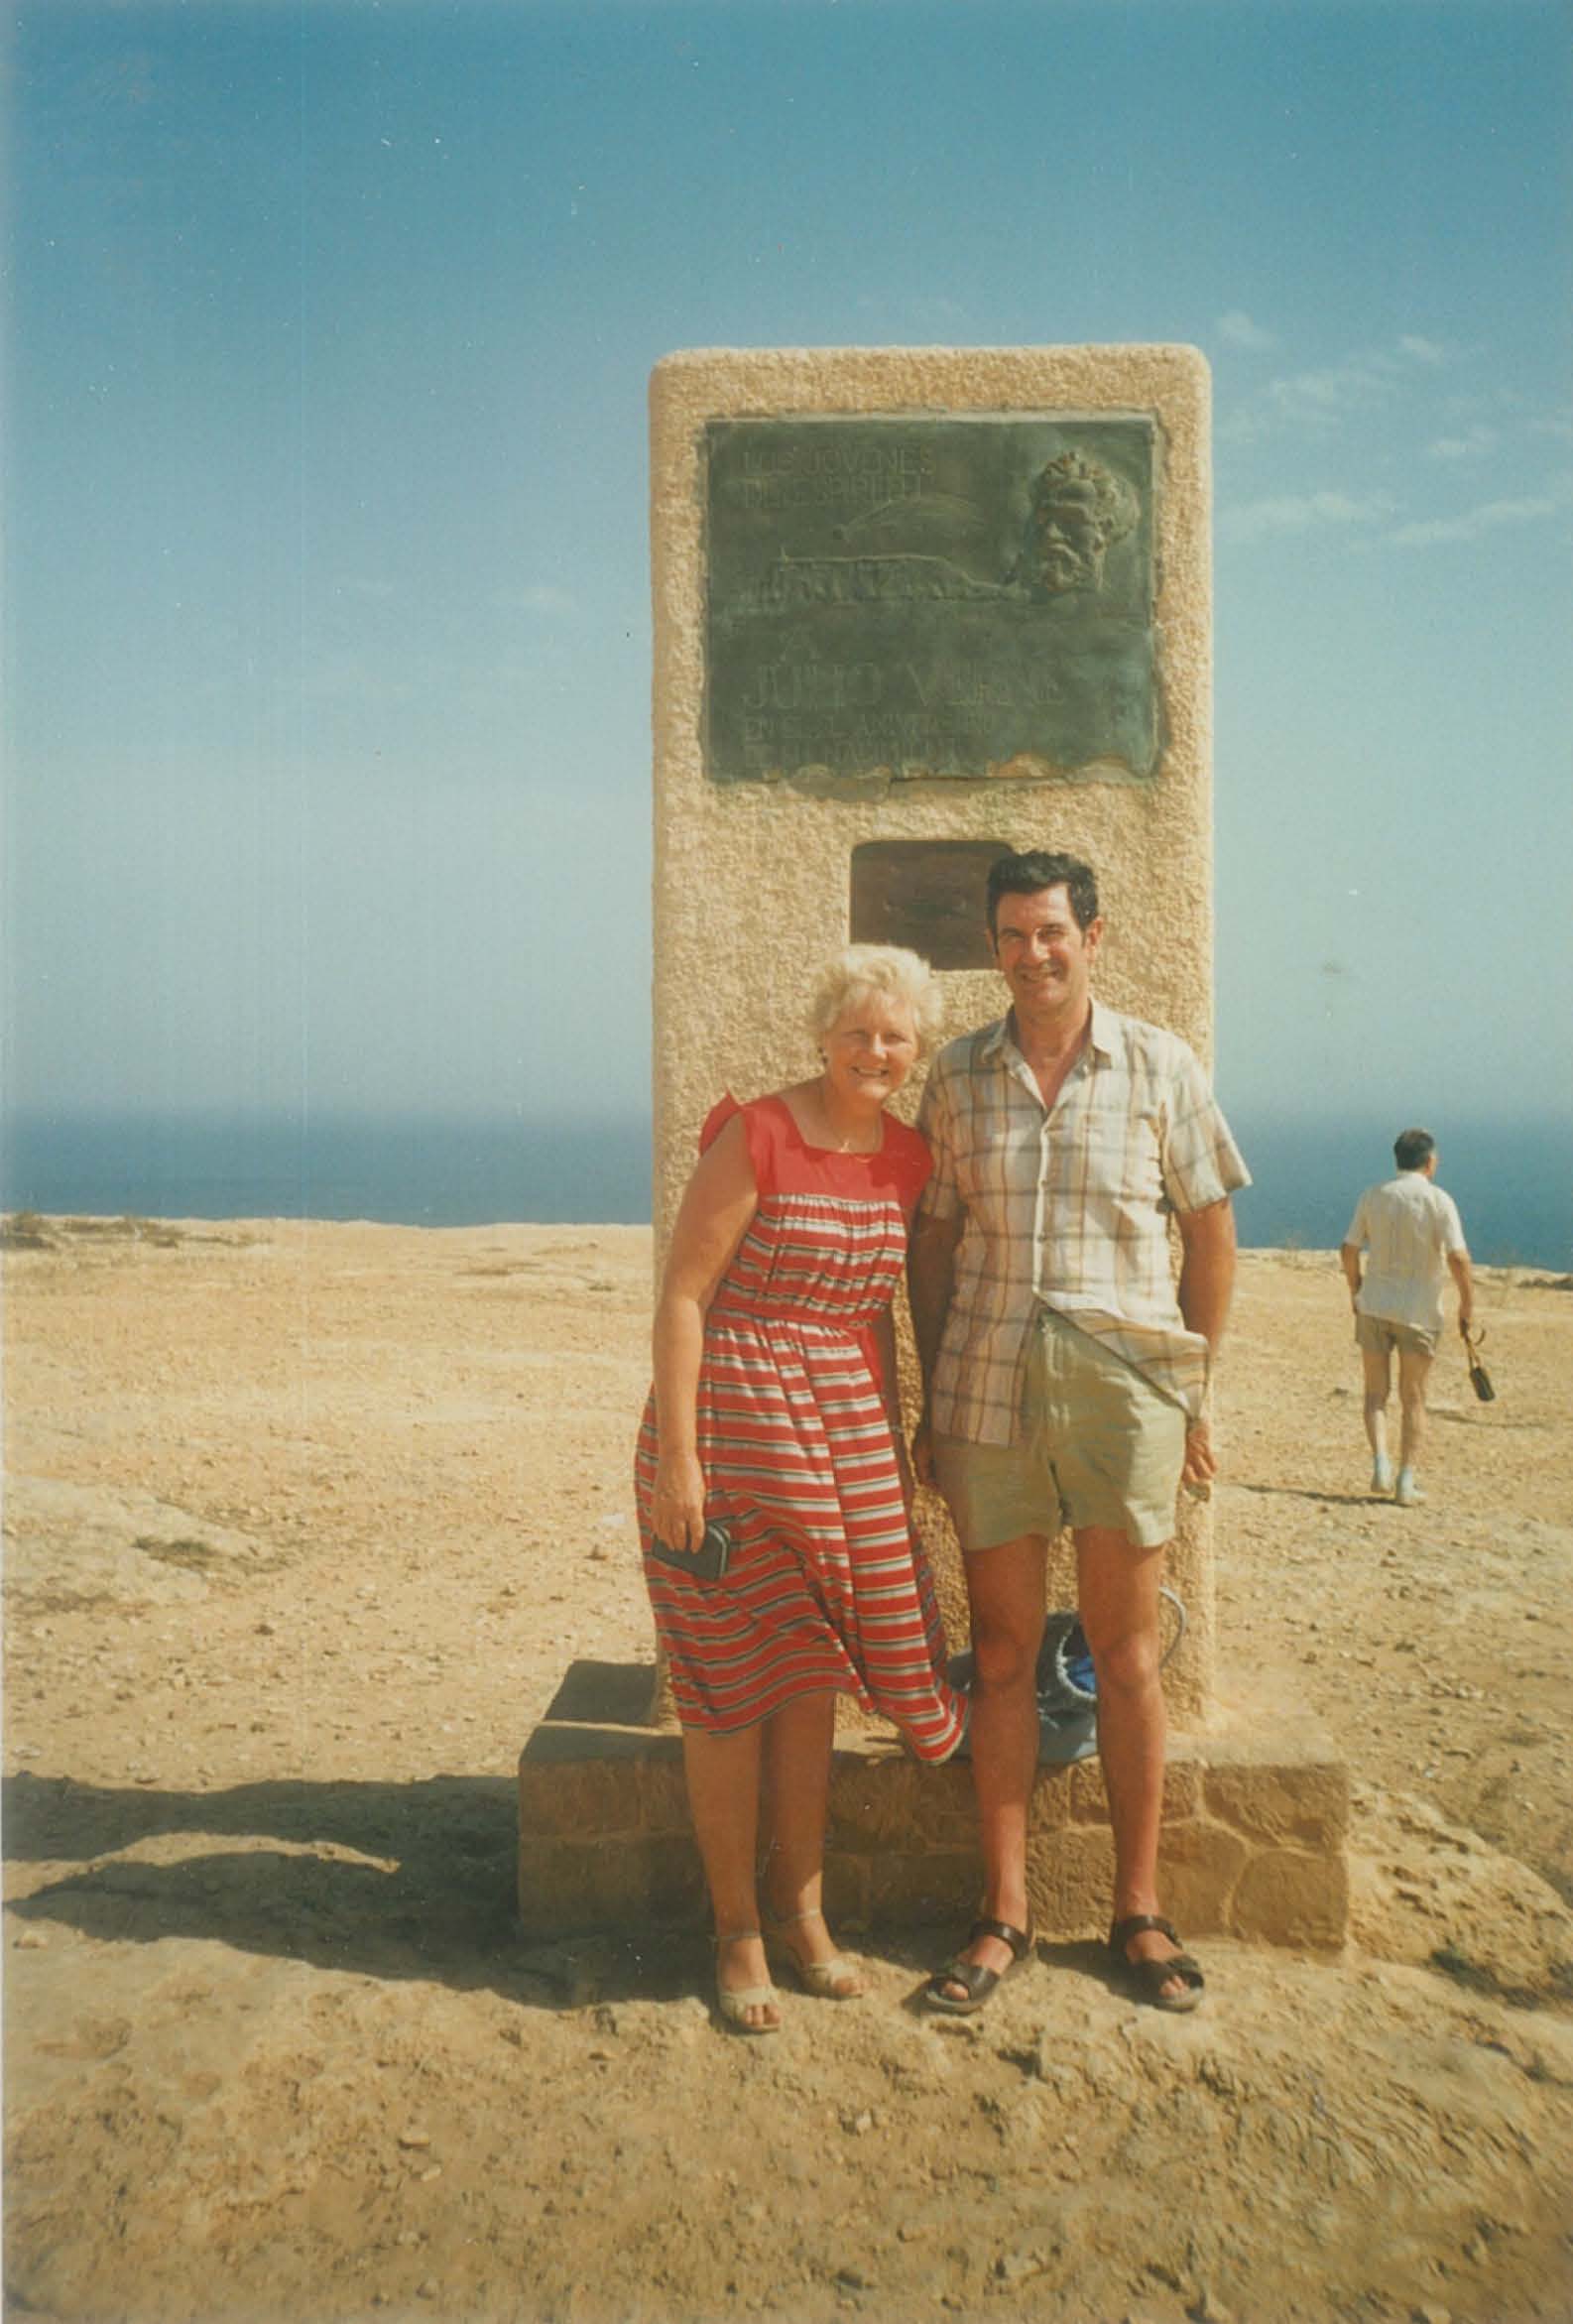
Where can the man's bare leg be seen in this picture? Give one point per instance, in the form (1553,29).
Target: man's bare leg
(1414,1370)
(1378,1379)
(1005,1591)
(1117,1589)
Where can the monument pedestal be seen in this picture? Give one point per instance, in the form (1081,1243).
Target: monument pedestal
(1254,1819)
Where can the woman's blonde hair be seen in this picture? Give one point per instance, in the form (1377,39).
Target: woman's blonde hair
(889,969)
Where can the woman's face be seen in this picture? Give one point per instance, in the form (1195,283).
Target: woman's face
(871,1048)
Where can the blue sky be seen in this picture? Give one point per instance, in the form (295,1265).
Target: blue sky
(327,638)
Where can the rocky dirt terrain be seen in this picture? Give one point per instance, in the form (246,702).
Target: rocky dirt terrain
(304,1525)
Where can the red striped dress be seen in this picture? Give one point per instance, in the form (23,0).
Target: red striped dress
(828,1588)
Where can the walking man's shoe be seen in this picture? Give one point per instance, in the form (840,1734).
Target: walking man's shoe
(1406,1492)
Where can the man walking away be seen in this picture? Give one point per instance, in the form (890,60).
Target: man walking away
(1404,1241)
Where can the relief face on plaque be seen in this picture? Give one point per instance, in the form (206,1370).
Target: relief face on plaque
(897,598)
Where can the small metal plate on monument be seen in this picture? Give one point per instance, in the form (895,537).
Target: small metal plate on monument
(906,598)
(926,894)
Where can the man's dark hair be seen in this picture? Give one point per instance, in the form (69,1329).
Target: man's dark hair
(1413,1149)
(1027,875)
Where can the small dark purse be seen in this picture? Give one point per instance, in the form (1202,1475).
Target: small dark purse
(1478,1377)
(708,1563)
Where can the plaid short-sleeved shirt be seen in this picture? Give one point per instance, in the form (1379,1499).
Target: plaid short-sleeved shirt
(1068,1208)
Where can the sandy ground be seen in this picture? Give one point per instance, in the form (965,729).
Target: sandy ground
(303,1526)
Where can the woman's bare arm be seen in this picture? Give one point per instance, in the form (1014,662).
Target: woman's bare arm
(717,1208)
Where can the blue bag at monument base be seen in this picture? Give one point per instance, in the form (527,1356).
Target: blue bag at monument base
(1067,1684)
(1067,1696)
(1067,1692)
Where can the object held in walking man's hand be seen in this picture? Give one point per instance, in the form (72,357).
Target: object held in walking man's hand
(708,1563)
(1478,1377)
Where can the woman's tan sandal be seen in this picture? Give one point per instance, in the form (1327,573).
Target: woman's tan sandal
(734,2002)
(837,1980)
(975,1977)
(1147,1978)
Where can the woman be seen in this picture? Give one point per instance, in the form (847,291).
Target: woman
(775,1410)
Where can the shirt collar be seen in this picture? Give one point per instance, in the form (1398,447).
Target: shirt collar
(1102,1033)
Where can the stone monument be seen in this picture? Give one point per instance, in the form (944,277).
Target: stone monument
(914,607)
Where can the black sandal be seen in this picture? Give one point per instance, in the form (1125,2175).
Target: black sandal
(978,1979)
(1147,1978)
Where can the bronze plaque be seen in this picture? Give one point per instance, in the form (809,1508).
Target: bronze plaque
(926,894)
(903,597)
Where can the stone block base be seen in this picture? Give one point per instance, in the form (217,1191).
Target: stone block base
(1254,1819)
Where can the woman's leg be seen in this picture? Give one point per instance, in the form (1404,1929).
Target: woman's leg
(797,1747)
(723,1774)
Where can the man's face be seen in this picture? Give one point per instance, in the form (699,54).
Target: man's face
(1042,956)
(1069,540)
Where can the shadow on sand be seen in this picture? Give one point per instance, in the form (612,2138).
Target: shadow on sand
(390,1880)
(1304,1493)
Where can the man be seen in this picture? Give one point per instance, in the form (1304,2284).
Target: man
(1411,1237)
(1065,1378)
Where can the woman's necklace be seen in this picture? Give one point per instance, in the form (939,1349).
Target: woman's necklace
(852,1142)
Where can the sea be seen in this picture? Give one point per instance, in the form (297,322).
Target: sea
(1512,1180)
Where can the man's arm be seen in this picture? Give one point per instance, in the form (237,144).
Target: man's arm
(1206,1287)
(930,1279)
(1463,1276)
(1349,1258)
(882,1334)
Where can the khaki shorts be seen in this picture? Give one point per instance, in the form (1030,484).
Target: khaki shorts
(1097,1445)
(1377,1337)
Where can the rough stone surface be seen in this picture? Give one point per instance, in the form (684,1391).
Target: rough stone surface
(1200,1868)
(1307,1804)
(1069,1875)
(1288,1895)
(927,1885)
